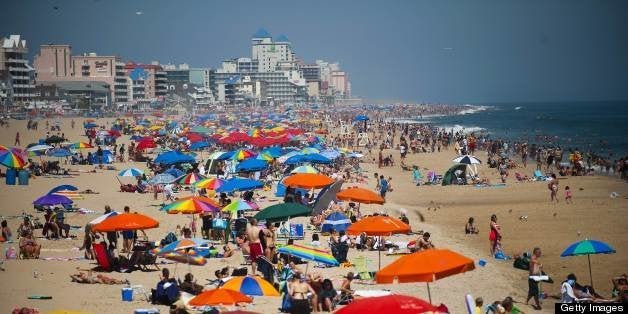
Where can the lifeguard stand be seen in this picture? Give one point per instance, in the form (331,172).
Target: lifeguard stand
(345,129)
(363,139)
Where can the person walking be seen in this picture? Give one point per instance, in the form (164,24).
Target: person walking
(535,269)
(17,139)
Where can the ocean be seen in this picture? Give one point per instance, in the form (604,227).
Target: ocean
(601,127)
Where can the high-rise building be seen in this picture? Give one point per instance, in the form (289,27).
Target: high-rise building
(200,77)
(177,74)
(148,81)
(268,52)
(16,75)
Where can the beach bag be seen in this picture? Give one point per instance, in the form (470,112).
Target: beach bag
(521,262)
(220,224)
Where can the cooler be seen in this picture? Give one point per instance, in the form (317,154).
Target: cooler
(23,176)
(11,176)
(127,294)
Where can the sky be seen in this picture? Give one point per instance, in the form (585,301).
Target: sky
(412,51)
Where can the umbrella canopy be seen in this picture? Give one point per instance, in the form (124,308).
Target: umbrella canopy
(251,285)
(280,212)
(252,165)
(378,226)
(63,187)
(59,152)
(144,144)
(394,303)
(38,148)
(173,157)
(80,145)
(12,159)
(199,145)
(316,159)
(52,199)
(308,180)
(219,297)
(309,254)
(238,205)
(54,139)
(588,247)
(304,169)
(242,154)
(360,195)
(103,218)
(209,183)
(335,221)
(179,245)
(190,178)
(192,205)
(175,172)
(467,160)
(240,184)
(126,222)
(361,117)
(162,178)
(131,172)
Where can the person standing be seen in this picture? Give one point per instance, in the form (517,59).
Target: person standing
(535,269)
(17,139)
(383,186)
(127,236)
(494,234)
(553,187)
(255,245)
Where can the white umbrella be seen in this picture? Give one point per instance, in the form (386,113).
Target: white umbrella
(103,217)
(39,148)
(468,160)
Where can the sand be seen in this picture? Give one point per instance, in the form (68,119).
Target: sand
(552,227)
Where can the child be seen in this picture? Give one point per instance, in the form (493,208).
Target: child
(568,195)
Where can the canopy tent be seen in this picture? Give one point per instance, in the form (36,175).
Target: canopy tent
(457,174)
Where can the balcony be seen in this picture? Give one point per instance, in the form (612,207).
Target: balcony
(20,77)
(13,60)
(23,86)
(19,69)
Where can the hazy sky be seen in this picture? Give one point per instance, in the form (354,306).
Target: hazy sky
(438,51)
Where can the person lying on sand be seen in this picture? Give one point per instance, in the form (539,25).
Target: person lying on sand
(82,277)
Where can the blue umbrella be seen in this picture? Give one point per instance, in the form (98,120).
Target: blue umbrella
(316,159)
(52,199)
(330,153)
(295,160)
(226,155)
(272,152)
(336,221)
(199,145)
(131,172)
(162,178)
(239,184)
(588,247)
(63,187)
(251,165)
(90,125)
(136,138)
(361,117)
(174,172)
(173,157)
(59,152)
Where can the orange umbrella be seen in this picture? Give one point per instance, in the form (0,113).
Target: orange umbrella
(360,195)
(218,297)
(126,222)
(425,266)
(308,181)
(378,226)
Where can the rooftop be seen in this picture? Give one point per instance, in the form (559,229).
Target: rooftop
(282,39)
(14,41)
(261,33)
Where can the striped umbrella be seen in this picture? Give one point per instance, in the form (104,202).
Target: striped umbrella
(103,217)
(309,254)
(11,159)
(467,160)
(251,285)
(39,148)
(131,172)
(335,221)
(239,205)
(190,178)
(209,183)
(588,247)
(80,145)
(304,169)
(192,205)
(242,154)
(180,245)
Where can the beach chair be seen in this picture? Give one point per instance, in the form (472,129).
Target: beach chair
(104,263)
(538,176)
(360,264)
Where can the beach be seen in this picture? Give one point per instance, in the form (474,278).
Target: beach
(594,214)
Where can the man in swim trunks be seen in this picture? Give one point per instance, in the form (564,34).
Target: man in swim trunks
(255,245)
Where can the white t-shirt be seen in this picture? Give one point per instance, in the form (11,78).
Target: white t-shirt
(566,292)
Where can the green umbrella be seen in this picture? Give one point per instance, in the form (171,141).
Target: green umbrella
(200,129)
(283,211)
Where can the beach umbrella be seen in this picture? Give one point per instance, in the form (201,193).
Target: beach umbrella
(12,159)
(209,183)
(316,159)
(3,148)
(200,129)
(219,297)
(238,205)
(52,199)
(240,184)
(425,266)
(58,152)
(335,221)
(37,148)
(361,117)
(144,144)
(378,226)
(284,211)
(80,145)
(251,165)
(126,222)
(242,154)
(63,187)
(73,195)
(272,151)
(295,160)
(360,195)
(103,217)
(308,181)
(190,178)
(193,137)
(309,254)
(199,145)
(330,153)
(173,157)
(90,125)
(251,285)
(588,247)
(192,205)
(162,178)
(54,139)
(175,172)
(225,155)
(392,304)
(179,245)
(130,172)
(304,169)
(467,160)
(310,150)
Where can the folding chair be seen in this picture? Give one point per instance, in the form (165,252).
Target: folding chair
(104,263)
(360,264)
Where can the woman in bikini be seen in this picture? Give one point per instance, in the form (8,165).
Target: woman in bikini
(299,290)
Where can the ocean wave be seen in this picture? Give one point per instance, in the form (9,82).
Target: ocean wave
(471,109)
(461,128)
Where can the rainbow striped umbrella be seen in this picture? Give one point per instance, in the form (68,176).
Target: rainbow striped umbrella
(209,183)
(251,285)
(309,254)
(265,156)
(190,178)
(12,159)
(242,154)
(239,205)
(79,145)
(182,244)
(192,205)
(3,148)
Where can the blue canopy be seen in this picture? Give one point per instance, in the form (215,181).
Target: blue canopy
(59,152)
(199,145)
(317,159)
(173,157)
(361,117)
(63,187)
(174,172)
(226,155)
(240,184)
(251,164)
(336,221)
(296,159)
(272,151)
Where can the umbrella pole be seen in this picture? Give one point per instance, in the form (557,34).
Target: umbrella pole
(429,294)
(119,180)
(590,273)
(306,266)
(379,258)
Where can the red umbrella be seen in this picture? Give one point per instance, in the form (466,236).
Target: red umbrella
(390,304)
(194,137)
(144,144)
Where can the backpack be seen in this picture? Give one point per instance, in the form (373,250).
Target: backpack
(170,237)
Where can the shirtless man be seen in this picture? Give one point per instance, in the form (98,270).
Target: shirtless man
(535,270)
(271,237)
(255,245)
